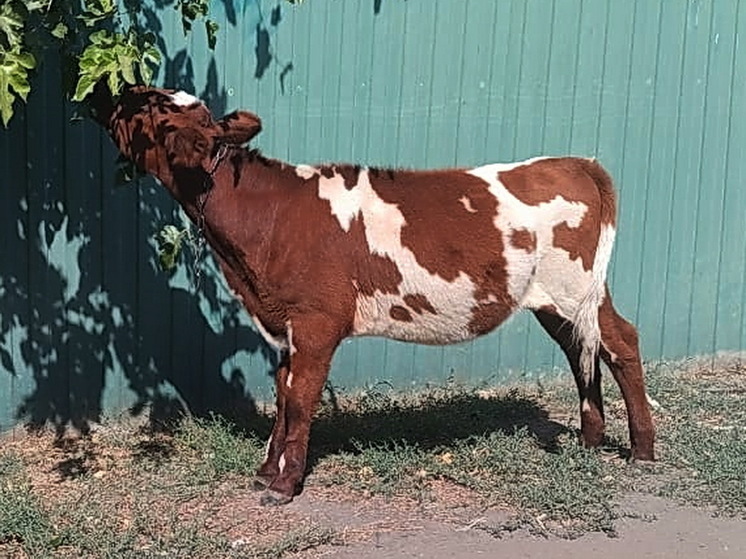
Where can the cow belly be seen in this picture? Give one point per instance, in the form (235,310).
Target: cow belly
(436,316)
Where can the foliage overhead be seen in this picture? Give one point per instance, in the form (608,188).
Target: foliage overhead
(101,39)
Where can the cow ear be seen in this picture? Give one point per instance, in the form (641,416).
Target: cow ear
(187,147)
(239,127)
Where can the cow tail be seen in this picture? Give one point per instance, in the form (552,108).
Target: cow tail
(586,328)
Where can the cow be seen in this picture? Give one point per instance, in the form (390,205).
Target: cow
(320,253)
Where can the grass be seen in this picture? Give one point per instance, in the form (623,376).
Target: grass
(703,434)
(128,492)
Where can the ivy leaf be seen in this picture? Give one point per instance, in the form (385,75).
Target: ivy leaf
(170,239)
(11,23)
(84,87)
(97,11)
(212,33)
(150,57)
(114,57)
(60,31)
(128,72)
(14,67)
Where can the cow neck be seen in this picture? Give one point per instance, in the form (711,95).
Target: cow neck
(202,198)
(207,185)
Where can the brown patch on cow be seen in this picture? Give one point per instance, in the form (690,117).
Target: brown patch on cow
(487,316)
(350,174)
(327,172)
(397,312)
(452,240)
(576,180)
(523,239)
(419,303)
(570,239)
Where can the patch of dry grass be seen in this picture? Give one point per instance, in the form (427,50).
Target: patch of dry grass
(381,462)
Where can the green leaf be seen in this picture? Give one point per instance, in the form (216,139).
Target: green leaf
(60,31)
(146,73)
(170,239)
(24,59)
(97,11)
(14,67)
(11,24)
(212,33)
(115,85)
(84,87)
(128,72)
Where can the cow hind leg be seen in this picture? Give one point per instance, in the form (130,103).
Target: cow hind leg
(561,331)
(620,351)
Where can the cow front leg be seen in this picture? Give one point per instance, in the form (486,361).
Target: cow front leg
(270,467)
(300,394)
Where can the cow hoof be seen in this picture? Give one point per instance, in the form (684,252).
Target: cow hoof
(272,498)
(260,483)
(642,456)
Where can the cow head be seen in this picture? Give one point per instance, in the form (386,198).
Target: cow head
(165,132)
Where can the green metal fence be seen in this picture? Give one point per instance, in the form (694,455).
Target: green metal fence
(653,88)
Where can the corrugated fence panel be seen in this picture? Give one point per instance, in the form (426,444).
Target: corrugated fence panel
(89,324)
(731,285)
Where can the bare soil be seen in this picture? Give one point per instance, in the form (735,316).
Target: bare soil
(652,528)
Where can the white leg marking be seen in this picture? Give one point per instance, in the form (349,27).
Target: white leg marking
(281,462)
(279,344)
(266,450)
(289,327)
(289,381)
(652,402)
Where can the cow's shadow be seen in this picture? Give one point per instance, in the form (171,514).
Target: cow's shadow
(433,421)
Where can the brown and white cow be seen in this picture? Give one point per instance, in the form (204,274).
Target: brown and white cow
(320,253)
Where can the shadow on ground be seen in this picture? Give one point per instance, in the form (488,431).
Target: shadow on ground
(435,420)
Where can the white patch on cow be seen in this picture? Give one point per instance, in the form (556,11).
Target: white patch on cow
(346,203)
(281,462)
(289,381)
(184,99)
(547,276)
(266,450)
(586,407)
(306,171)
(466,201)
(279,343)
(453,301)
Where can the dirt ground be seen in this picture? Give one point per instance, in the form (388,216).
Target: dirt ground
(654,528)
(187,494)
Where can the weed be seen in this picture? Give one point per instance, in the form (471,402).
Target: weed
(22,518)
(219,448)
